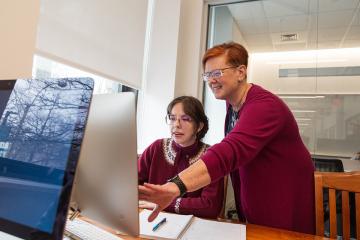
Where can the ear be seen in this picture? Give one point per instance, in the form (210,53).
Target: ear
(242,72)
(200,127)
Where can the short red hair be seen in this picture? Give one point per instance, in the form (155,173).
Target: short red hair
(235,53)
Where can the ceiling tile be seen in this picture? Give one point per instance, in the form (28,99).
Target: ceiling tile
(337,5)
(329,34)
(351,43)
(253,26)
(328,44)
(279,8)
(290,46)
(354,33)
(335,19)
(258,39)
(246,10)
(289,23)
(262,22)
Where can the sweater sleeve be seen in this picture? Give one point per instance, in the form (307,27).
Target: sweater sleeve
(261,119)
(144,163)
(207,205)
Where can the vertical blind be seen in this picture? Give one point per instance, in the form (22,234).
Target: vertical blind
(104,37)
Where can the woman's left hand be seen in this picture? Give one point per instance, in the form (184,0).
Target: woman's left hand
(160,195)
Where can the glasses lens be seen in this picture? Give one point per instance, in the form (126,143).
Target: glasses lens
(185,118)
(205,76)
(216,73)
(170,119)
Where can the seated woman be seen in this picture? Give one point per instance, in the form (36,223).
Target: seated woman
(167,157)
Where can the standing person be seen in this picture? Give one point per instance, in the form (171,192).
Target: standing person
(167,157)
(271,169)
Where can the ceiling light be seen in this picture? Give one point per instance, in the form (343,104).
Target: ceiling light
(303,111)
(303,119)
(296,97)
(306,61)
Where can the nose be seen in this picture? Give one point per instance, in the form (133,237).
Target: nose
(211,80)
(177,122)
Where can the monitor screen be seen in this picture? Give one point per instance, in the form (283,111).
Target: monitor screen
(106,182)
(41,130)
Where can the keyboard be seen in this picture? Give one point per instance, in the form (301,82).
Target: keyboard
(79,229)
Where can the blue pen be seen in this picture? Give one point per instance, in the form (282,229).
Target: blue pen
(159,224)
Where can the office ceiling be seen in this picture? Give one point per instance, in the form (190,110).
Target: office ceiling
(318,24)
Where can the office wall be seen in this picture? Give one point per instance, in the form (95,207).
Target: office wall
(158,84)
(18,22)
(171,63)
(188,81)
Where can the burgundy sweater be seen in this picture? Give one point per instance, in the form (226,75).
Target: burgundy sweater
(271,169)
(164,159)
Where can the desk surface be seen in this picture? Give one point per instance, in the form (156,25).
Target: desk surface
(256,232)
(351,165)
(253,232)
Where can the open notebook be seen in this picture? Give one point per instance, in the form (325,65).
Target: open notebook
(186,227)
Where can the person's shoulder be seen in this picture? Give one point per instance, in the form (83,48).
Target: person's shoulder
(266,99)
(204,147)
(258,93)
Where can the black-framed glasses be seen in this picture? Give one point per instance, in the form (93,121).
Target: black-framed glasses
(171,119)
(215,73)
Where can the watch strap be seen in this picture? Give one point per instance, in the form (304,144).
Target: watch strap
(180,184)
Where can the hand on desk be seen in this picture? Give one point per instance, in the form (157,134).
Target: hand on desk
(161,195)
(146,205)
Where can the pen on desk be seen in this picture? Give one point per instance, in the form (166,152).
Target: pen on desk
(159,224)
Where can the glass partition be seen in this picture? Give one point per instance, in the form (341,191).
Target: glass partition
(307,52)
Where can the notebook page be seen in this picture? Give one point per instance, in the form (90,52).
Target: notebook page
(214,230)
(171,229)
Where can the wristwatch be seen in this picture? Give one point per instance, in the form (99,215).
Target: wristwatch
(180,184)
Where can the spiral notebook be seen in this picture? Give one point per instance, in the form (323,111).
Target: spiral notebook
(173,228)
(188,227)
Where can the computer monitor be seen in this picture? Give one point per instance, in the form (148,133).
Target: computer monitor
(106,181)
(41,130)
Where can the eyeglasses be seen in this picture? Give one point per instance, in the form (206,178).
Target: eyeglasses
(215,73)
(172,119)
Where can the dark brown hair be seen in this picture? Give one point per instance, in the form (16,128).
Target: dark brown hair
(235,53)
(192,107)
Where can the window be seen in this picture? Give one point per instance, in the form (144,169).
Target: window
(45,68)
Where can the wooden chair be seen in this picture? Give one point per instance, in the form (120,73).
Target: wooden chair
(345,182)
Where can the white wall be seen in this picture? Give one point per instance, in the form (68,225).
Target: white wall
(18,22)
(172,60)
(188,81)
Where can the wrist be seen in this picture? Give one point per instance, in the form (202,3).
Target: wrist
(174,189)
(179,185)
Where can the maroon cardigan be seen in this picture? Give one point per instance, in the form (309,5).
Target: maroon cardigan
(158,163)
(271,169)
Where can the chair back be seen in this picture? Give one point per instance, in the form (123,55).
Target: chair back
(344,182)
